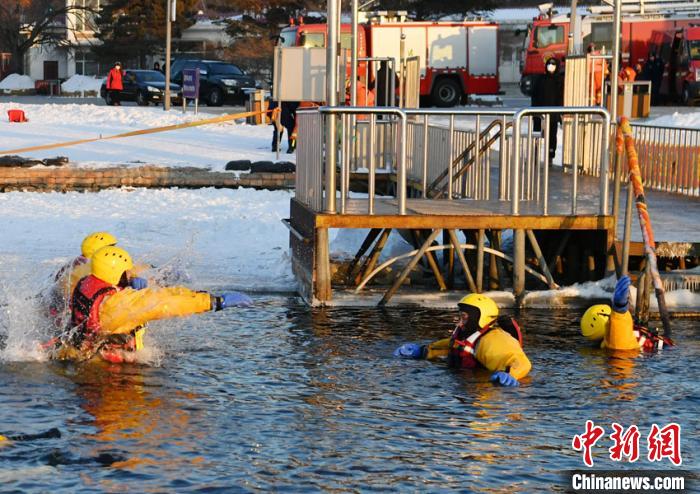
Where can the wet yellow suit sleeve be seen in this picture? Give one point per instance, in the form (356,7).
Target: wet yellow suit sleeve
(438,349)
(620,333)
(497,351)
(129,308)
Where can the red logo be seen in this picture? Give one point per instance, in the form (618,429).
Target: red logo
(587,440)
(626,445)
(665,443)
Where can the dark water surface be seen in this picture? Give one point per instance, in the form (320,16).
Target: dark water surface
(283,398)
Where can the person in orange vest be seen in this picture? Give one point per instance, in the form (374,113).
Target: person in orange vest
(114,84)
(627,74)
(599,68)
(108,316)
(365,96)
(614,328)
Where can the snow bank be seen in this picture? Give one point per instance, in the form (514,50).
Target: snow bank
(78,83)
(210,146)
(688,119)
(16,82)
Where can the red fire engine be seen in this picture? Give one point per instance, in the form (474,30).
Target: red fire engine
(456,58)
(652,27)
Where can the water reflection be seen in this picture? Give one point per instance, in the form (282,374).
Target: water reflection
(281,397)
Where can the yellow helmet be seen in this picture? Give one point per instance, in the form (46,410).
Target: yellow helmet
(488,309)
(95,241)
(109,264)
(595,321)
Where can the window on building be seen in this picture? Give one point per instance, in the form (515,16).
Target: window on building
(86,63)
(85,19)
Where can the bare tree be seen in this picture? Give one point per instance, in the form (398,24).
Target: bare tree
(28,23)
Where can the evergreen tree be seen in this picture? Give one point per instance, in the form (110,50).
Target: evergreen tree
(131,30)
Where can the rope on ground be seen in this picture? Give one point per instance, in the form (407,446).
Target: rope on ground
(153,130)
(624,131)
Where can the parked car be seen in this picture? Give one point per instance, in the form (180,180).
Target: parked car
(219,82)
(144,87)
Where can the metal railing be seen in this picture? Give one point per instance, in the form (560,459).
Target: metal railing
(426,147)
(669,158)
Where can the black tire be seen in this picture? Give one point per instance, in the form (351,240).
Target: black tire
(446,93)
(108,99)
(215,98)
(141,99)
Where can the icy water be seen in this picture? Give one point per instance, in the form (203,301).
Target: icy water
(280,397)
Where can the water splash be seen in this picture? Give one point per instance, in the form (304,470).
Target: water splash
(23,324)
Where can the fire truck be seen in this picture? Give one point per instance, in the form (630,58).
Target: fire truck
(456,58)
(646,25)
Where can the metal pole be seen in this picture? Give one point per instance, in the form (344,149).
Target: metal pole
(615,61)
(371,186)
(515,172)
(425,156)
(451,158)
(353,59)
(628,231)
(402,75)
(574,167)
(572,27)
(331,100)
(168,35)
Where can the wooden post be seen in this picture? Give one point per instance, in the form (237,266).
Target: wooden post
(373,257)
(432,262)
(518,263)
(371,237)
(495,240)
(323,266)
(480,258)
(448,260)
(463,260)
(641,309)
(540,259)
(390,293)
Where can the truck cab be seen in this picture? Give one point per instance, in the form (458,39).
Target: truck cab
(546,39)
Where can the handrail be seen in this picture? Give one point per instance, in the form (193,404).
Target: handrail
(463,154)
(401,172)
(554,110)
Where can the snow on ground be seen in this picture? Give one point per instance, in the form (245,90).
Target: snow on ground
(688,119)
(206,146)
(17,82)
(78,83)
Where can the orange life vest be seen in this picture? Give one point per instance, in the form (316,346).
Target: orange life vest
(85,308)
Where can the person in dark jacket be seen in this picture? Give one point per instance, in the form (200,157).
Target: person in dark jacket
(654,71)
(549,91)
(287,120)
(114,84)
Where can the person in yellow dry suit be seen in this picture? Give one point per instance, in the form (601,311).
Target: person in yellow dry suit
(107,317)
(481,337)
(68,276)
(614,327)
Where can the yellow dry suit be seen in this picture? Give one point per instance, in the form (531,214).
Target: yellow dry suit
(495,349)
(123,312)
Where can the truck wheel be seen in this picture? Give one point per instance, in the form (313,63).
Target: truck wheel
(446,92)
(215,98)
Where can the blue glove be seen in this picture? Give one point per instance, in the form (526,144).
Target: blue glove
(500,378)
(235,299)
(138,283)
(622,294)
(411,350)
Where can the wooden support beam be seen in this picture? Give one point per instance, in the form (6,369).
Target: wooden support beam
(556,258)
(462,260)
(518,262)
(373,257)
(322,282)
(432,263)
(448,260)
(369,239)
(495,240)
(397,284)
(541,260)
(480,261)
